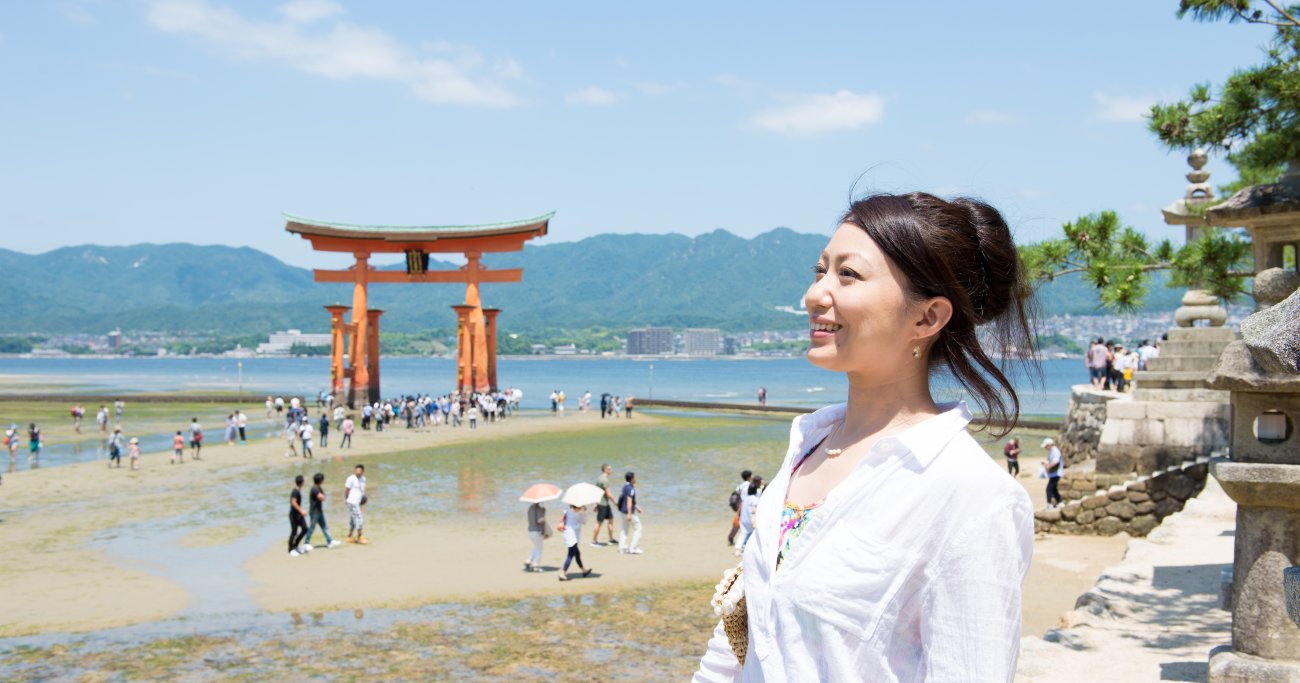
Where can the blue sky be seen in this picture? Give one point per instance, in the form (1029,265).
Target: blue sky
(201,120)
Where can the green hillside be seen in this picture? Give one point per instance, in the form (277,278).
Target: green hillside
(607,281)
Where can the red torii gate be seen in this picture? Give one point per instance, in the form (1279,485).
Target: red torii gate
(475,326)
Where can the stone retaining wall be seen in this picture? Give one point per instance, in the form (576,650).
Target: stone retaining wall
(1084,419)
(1136,507)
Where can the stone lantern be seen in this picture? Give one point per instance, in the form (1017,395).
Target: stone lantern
(1189,212)
(1262,372)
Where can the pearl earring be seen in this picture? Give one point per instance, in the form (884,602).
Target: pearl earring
(916,352)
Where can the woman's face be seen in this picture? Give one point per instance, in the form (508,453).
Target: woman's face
(861,321)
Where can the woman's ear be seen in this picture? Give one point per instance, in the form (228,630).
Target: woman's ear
(935,312)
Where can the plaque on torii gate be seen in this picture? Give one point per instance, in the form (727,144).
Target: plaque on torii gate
(359,337)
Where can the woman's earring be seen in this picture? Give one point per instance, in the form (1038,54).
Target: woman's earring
(916,352)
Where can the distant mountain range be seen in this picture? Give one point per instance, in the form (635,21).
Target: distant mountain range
(607,281)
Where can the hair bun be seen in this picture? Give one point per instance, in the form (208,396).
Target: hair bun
(998,258)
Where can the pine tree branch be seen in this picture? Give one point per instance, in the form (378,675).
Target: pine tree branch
(1282,11)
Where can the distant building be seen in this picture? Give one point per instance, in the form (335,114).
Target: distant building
(650,341)
(729,346)
(279,343)
(702,341)
(115,339)
(540,349)
(566,350)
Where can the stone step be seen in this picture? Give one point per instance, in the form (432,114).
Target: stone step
(1143,393)
(1224,334)
(1172,362)
(1171,379)
(1191,348)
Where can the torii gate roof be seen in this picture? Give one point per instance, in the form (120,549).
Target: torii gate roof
(333,236)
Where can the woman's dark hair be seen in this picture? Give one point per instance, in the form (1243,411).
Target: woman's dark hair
(961,250)
(755,484)
(317,478)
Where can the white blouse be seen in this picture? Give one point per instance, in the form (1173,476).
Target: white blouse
(910,571)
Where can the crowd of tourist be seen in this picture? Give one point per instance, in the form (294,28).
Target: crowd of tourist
(626,508)
(1111,366)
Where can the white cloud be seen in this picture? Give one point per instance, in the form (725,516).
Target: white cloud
(307,11)
(593,96)
(655,89)
(815,114)
(728,80)
(990,117)
(1121,107)
(338,49)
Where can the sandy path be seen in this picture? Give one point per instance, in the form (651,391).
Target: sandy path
(56,579)
(1155,615)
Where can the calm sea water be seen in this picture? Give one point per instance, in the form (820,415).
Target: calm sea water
(790,381)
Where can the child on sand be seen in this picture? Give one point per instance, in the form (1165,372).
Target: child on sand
(178,448)
(134,452)
(571,527)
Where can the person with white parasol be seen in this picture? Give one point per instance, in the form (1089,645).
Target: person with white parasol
(578,497)
(537,528)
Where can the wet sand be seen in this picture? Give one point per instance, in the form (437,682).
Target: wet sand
(59,578)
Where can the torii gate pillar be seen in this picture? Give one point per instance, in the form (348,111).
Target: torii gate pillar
(372,360)
(338,329)
(490,324)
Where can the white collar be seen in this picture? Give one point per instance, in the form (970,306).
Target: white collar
(923,440)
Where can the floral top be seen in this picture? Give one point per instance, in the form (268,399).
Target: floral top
(794,518)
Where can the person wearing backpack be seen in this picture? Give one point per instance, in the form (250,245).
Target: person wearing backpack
(737,496)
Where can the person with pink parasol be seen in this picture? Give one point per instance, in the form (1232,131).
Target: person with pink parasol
(538,530)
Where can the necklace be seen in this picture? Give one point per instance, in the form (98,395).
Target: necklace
(834,452)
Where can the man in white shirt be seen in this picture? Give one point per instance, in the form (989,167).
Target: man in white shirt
(1146,351)
(1054,465)
(355,495)
(305,432)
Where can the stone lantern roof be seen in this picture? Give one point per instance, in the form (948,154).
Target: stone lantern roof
(1261,205)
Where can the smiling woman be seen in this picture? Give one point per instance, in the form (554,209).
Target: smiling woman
(889,547)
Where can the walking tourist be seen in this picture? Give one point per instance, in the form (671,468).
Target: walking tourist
(291,440)
(305,433)
(269,407)
(1109,380)
(629,536)
(1126,363)
(324,430)
(1012,452)
(1053,466)
(347,427)
(571,531)
(748,504)
(914,570)
(297,518)
(241,422)
(537,532)
(115,445)
(101,419)
(118,406)
(354,495)
(1095,360)
(33,441)
(316,506)
(762,396)
(627,405)
(604,508)
(133,450)
(734,502)
(473,415)
(178,448)
(1146,351)
(232,432)
(77,413)
(11,440)
(196,438)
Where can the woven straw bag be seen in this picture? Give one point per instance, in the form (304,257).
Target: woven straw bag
(729,603)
